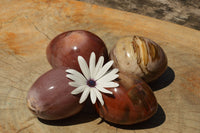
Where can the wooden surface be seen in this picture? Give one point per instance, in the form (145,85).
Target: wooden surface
(26,27)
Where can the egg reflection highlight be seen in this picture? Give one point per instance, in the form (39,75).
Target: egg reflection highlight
(50,88)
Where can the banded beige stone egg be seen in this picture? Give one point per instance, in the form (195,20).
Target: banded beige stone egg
(139,56)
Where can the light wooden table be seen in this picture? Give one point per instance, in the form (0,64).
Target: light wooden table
(26,28)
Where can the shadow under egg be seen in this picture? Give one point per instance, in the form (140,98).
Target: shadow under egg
(164,80)
(156,120)
(87,114)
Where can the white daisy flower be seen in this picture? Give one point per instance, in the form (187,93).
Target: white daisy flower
(94,79)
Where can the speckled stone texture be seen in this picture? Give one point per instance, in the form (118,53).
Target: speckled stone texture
(183,12)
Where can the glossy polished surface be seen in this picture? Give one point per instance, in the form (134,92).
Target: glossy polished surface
(128,105)
(64,49)
(139,56)
(50,96)
(25,28)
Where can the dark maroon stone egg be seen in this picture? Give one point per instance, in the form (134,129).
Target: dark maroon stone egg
(64,49)
(50,96)
(128,105)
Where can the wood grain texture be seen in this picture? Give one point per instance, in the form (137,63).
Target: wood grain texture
(26,28)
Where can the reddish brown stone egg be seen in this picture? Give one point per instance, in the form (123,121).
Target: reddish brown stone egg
(128,105)
(64,49)
(50,96)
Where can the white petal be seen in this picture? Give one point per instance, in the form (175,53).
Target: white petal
(109,76)
(99,96)
(109,84)
(99,65)
(84,67)
(103,70)
(115,70)
(103,89)
(76,74)
(92,64)
(81,81)
(78,90)
(84,95)
(74,84)
(93,96)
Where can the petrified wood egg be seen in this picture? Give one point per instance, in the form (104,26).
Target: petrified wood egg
(139,56)
(128,105)
(50,96)
(64,49)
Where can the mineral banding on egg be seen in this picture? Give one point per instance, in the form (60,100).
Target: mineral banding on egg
(50,96)
(139,56)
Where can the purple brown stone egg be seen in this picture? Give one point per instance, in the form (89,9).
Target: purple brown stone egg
(64,49)
(139,56)
(50,96)
(132,102)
